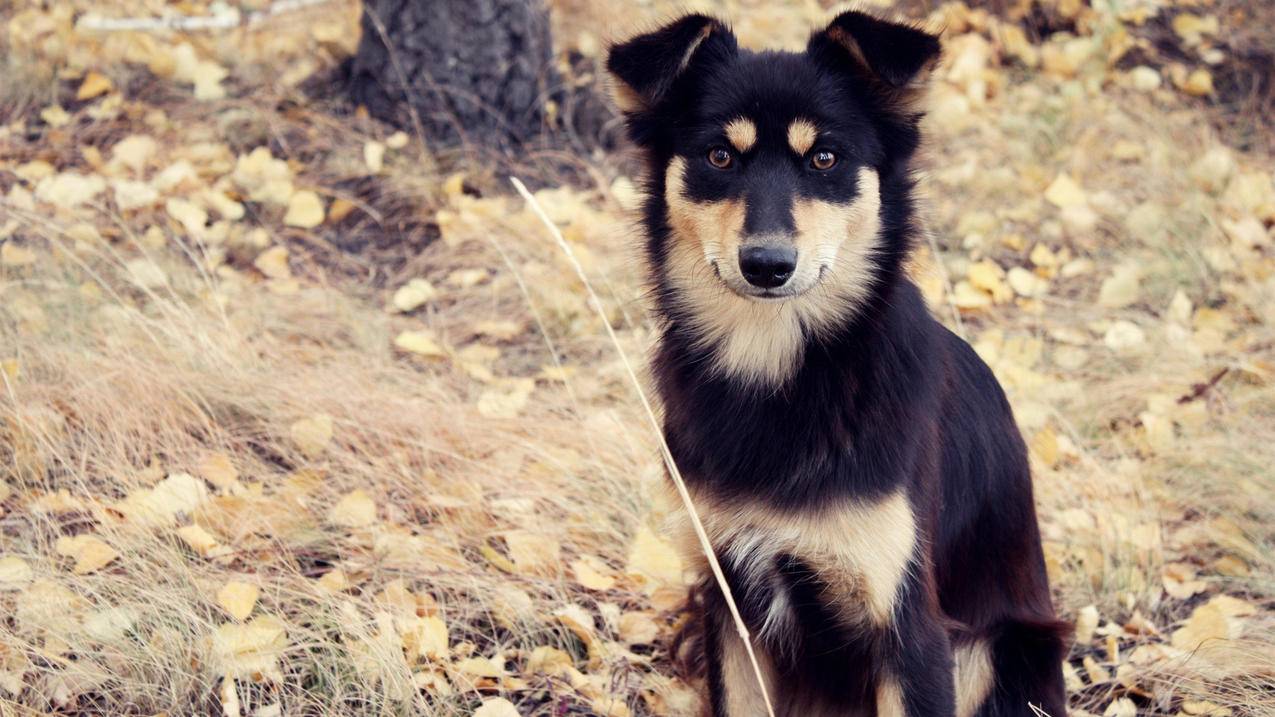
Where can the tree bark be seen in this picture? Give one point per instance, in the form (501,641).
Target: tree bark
(470,73)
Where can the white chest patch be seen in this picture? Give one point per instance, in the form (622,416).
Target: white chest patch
(860,551)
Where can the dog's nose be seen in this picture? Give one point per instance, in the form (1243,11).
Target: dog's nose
(767,266)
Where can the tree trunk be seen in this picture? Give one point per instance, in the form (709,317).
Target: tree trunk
(476,74)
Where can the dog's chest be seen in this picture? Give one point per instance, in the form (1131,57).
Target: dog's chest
(857,554)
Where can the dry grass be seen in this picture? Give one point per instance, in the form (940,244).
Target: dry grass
(121,384)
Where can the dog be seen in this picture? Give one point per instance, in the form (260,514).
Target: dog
(856,465)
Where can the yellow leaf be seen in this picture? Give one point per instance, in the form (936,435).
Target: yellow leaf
(312,434)
(69,190)
(238,599)
(496,707)
(1086,622)
(1199,83)
(532,553)
(89,551)
(398,140)
(12,254)
(94,85)
(499,330)
(273,262)
(355,510)
(55,116)
(1124,337)
(146,273)
(201,541)
(1122,288)
(479,667)
(965,296)
(654,557)
(1065,192)
(15,574)
(191,216)
(217,469)
(466,278)
(1123,707)
(988,276)
(420,342)
(1026,283)
(250,649)
(334,581)
(507,399)
(1207,624)
(412,295)
(305,210)
(590,575)
(638,628)
(374,156)
(426,637)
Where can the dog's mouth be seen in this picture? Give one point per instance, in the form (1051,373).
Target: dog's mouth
(779,294)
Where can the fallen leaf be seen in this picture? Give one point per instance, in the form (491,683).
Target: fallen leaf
(90,552)
(249,649)
(12,254)
(1065,192)
(356,509)
(95,84)
(15,574)
(420,342)
(217,468)
(496,707)
(374,156)
(311,435)
(654,557)
(413,295)
(201,541)
(532,553)
(305,210)
(238,599)
(273,263)
(638,628)
(588,572)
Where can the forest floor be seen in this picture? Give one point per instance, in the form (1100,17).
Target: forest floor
(295,421)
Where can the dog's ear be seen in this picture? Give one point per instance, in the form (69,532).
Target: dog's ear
(894,59)
(645,68)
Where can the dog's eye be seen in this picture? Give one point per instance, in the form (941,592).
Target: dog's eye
(720,157)
(823,159)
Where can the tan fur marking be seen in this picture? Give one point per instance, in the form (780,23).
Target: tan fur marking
(690,51)
(890,698)
(974,677)
(860,550)
(761,341)
(742,133)
(626,99)
(802,135)
(742,694)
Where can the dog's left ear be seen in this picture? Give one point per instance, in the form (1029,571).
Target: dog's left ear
(894,59)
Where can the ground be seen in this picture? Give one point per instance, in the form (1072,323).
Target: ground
(298,418)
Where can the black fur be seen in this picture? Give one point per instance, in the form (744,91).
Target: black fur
(890,400)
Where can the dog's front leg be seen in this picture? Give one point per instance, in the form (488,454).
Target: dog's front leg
(917,678)
(732,684)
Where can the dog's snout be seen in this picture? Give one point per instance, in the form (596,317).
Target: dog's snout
(767,267)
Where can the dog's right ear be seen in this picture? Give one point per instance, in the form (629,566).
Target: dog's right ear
(646,67)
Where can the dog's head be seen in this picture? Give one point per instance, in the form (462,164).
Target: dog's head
(767,167)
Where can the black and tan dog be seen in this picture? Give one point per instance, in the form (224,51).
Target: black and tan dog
(857,466)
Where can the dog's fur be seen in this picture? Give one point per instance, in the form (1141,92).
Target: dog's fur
(857,466)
